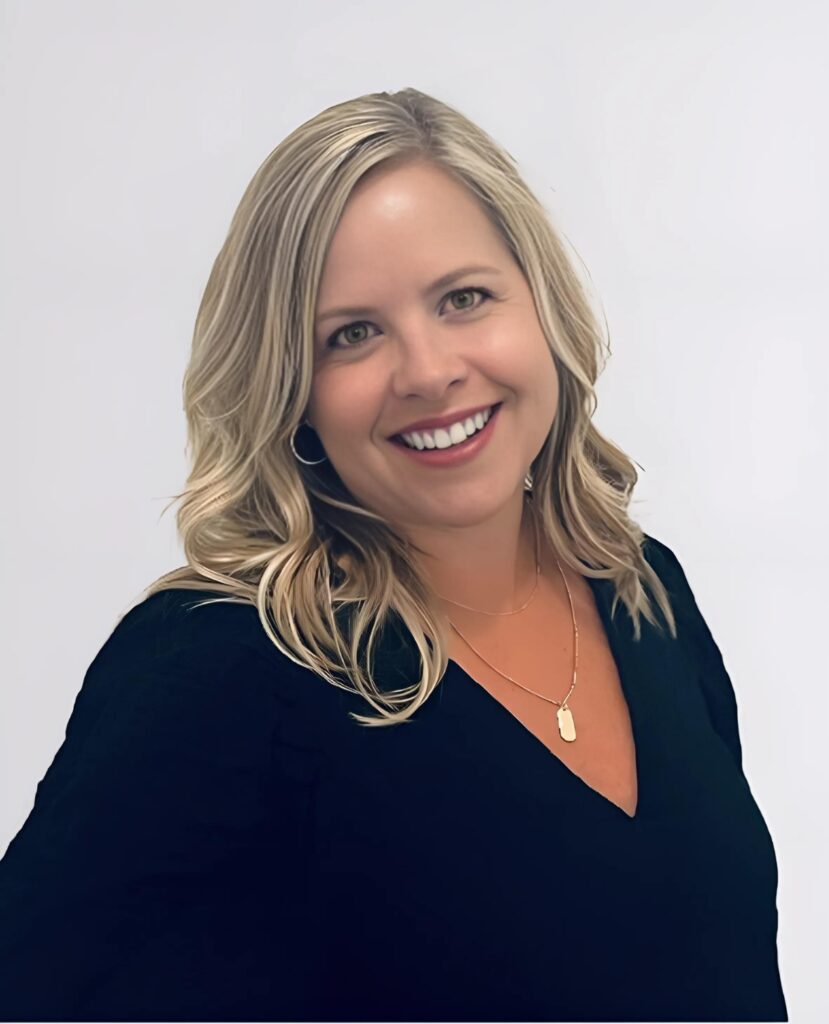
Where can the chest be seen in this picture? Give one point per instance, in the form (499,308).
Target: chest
(538,653)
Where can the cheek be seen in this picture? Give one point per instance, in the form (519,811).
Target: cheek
(344,407)
(535,376)
(530,369)
(550,378)
(547,392)
(543,366)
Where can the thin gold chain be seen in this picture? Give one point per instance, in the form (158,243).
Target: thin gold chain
(550,700)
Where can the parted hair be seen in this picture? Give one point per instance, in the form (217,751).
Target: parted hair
(259,527)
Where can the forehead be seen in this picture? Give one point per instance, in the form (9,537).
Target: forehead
(415,219)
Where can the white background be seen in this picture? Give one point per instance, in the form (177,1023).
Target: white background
(680,147)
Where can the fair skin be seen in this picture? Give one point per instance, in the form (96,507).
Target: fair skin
(409,355)
(414,355)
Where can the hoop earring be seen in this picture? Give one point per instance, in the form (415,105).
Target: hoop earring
(305,462)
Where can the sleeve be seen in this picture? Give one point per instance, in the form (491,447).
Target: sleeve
(138,887)
(713,676)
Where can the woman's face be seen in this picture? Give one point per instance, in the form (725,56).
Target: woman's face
(411,351)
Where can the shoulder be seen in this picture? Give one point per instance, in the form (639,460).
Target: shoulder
(170,620)
(667,566)
(712,673)
(691,624)
(200,631)
(658,554)
(192,675)
(665,563)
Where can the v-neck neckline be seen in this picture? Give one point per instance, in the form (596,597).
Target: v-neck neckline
(620,646)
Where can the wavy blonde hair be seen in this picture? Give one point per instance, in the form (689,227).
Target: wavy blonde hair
(326,574)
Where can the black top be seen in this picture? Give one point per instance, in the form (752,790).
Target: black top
(217,840)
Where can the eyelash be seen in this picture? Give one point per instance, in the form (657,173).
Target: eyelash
(487,295)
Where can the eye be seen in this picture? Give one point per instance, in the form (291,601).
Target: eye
(485,294)
(468,291)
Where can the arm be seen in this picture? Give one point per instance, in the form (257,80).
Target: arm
(713,675)
(138,887)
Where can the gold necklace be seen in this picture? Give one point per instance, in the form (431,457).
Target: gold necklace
(564,716)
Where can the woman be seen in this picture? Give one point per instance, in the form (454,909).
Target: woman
(235,828)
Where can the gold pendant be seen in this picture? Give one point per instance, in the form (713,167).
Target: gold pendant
(566,725)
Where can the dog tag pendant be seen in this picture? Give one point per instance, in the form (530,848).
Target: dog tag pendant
(566,725)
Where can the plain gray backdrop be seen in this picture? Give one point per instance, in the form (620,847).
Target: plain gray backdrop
(680,147)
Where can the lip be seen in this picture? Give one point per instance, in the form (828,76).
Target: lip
(444,421)
(457,454)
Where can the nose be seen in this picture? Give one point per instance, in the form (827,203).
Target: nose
(426,362)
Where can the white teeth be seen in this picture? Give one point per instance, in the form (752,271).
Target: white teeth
(448,436)
(457,434)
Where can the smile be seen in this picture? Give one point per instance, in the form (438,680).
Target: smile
(447,447)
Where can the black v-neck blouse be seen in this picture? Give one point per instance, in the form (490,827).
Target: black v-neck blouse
(217,840)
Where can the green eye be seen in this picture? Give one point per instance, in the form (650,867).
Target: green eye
(485,294)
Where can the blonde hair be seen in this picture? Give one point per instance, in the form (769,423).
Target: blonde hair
(326,574)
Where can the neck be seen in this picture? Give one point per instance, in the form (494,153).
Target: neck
(489,566)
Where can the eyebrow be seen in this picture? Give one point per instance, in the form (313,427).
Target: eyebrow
(441,282)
